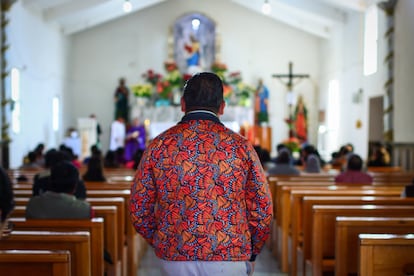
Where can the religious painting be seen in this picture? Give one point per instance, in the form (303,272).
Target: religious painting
(194,43)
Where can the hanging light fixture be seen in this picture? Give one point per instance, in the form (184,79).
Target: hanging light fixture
(127,6)
(266,8)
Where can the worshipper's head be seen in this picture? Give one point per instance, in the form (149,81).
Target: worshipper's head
(312,164)
(95,151)
(54,156)
(203,91)
(31,157)
(64,177)
(355,163)
(283,157)
(280,146)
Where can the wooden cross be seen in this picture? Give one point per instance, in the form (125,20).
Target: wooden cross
(289,85)
(290,77)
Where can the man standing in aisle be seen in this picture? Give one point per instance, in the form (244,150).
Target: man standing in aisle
(200,196)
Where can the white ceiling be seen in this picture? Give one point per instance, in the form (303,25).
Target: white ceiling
(317,17)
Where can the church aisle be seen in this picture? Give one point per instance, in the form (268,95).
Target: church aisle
(266,265)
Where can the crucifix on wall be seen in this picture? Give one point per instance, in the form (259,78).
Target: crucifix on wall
(290,98)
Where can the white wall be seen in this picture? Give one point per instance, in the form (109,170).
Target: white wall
(344,62)
(256,45)
(404,68)
(39,51)
(251,43)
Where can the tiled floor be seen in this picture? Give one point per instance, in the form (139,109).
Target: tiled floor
(266,265)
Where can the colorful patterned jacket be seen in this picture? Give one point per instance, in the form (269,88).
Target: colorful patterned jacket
(200,193)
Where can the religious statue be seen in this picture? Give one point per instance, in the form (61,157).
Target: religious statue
(297,121)
(193,55)
(300,119)
(261,104)
(121,101)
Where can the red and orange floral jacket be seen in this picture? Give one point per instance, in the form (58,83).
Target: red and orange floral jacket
(200,194)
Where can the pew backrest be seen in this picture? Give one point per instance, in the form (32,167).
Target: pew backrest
(35,262)
(94,226)
(77,243)
(384,254)
(347,233)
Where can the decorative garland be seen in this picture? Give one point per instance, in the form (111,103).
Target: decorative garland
(5,138)
(389,7)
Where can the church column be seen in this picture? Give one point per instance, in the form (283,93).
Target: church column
(5,102)
(389,7)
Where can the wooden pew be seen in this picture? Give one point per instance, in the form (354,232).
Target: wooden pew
(348,230)
(322,243)
(383,255)
(285,209)
(77,243)
(122,185)
(110,216)
(329,228)
(119,202)
(35,262)
(301,216)
(136,245)
(94,226)
(281,205)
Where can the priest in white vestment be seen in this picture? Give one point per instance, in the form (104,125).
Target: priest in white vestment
(118,131)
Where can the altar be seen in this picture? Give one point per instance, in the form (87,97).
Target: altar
(160,118)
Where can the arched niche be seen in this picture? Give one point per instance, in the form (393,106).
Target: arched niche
(182,30)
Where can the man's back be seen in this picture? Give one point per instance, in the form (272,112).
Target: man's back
(200,195)
(206,176)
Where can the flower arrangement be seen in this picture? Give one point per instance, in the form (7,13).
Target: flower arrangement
(152,77)
(219,68)
(173,76)
(157,86)
(142,90)
(235,90)
(292,143)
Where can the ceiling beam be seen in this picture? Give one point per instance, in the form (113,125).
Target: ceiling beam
(70,8)
(355,5)
(309,22)
(40,5)
(100,14)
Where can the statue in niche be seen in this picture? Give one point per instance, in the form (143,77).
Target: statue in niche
(194,43)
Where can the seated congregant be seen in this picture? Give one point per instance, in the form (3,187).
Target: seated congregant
(30,162)
(380,157)
(6,199)
(41,181)
(353,172)
(94,171)
(312,164)
(284,165)
(408,190)
(59,202)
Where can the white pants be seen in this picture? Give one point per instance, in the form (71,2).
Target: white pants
(205,268)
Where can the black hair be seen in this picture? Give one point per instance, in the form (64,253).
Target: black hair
(283,157)
(64,177)
(94,171)
(203,91)
(354,163)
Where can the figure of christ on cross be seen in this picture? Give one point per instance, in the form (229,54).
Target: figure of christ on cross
(292,120)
